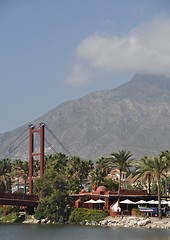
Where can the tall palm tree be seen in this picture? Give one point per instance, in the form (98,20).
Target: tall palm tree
(96,177)
(102,164)
(142,172)
(166,155)
(21,169)
(5,166)
(5,183)
(17,173)
(156,167)
(122,161)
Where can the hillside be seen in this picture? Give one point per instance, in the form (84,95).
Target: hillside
(134,116)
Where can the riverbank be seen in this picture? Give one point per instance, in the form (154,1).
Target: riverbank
(125,222)
(136,222)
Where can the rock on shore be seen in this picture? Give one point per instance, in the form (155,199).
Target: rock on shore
(127,222)
(136,222)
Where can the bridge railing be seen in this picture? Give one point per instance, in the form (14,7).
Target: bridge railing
(19,196)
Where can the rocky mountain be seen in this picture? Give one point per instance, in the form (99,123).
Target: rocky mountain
(134,116)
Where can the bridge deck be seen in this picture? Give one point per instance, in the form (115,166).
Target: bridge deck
(19,199)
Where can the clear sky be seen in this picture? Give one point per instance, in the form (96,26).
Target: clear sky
(52,51)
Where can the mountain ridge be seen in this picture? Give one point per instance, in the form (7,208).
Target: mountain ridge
(133,116)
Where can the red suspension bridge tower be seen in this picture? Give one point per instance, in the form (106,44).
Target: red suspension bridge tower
(32,154)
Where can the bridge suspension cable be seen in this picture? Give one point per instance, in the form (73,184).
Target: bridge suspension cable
(17,146)
(51,147)
(57,139)
(13,143)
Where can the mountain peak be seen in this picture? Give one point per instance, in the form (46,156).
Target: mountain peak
(144,87)
(159,80)
(134,116)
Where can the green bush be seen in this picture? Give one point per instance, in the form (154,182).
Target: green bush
(81,215)
(11,217)
(1,212)
(9,209)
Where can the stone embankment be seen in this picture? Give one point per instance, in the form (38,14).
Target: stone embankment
(136,222)
(127,222)
(32,220)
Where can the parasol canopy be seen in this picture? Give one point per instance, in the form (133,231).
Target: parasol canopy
(90,201)
(127,201)
(141,202)
(100,201)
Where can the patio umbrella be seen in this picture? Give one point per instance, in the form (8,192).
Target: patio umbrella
(90,201)
(141,202)
(153,202)
(164,202)
(100,201)
(127,201)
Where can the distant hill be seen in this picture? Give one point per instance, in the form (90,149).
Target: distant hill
(134,116)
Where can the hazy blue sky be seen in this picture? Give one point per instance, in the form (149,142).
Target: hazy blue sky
(52,51)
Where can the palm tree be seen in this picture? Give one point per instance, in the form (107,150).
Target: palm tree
(5,183)
(5,180)
(57,161)
(155,167)
(102,164)
(142,172)
(122,161)
(96,177)
(21,169)
(166,155)
(77,171)
(17,173)
(5,166)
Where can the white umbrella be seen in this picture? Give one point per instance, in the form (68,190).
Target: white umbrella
(100,201)
(90,201)
(164,202)
(127,201)
(141,202)
(153,202)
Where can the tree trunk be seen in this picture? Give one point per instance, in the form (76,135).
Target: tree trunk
(166,185)
(119,189)
(149,184)
(159,198)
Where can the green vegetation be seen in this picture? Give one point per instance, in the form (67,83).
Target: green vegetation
(122,161)
(68,175)
(10,171)
(155,168)
(83,215)
(11,217)
(61,178)
(10,214)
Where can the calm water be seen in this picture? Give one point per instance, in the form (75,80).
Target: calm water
(67,232)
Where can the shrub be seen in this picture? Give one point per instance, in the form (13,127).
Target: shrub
(1,211)
(81,215)
(11,217)
(9,209)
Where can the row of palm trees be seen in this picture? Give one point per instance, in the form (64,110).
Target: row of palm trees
(148,168)
(155,168)
(12,172)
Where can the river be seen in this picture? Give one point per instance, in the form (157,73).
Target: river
(72,232)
